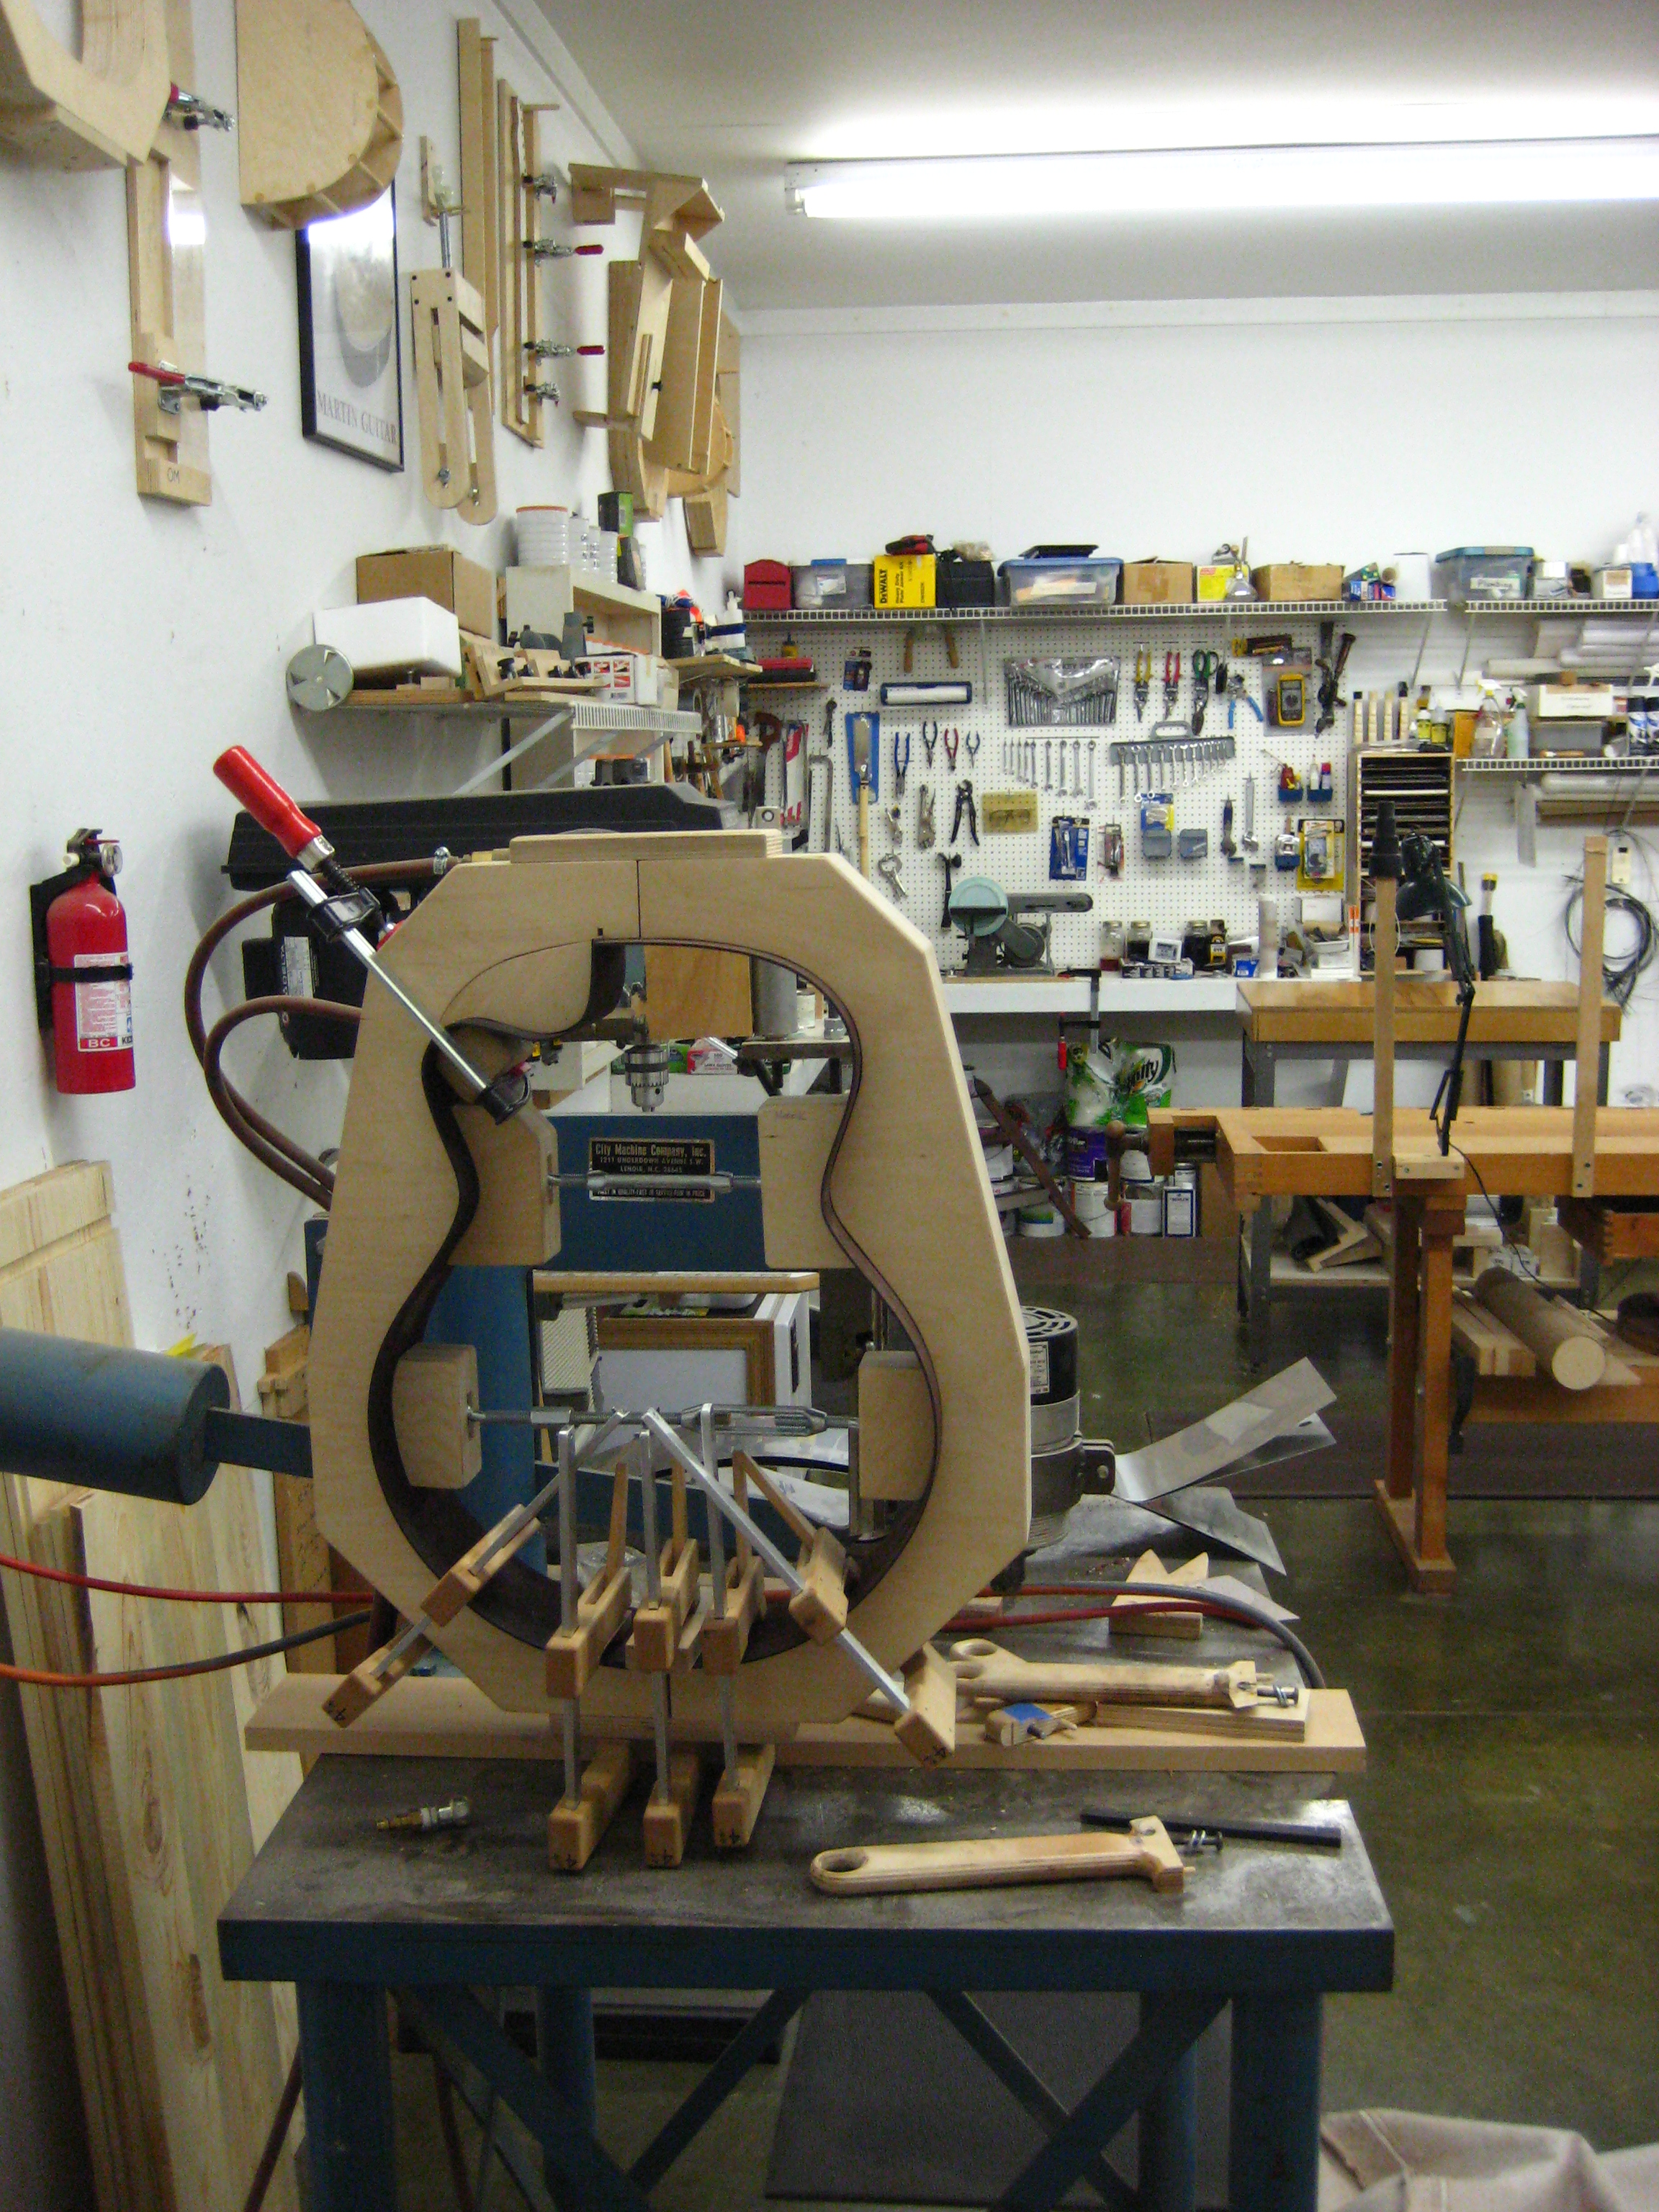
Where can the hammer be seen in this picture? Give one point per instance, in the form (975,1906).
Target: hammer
(950,862)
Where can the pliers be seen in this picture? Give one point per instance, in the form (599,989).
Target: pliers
(901,765)
(929,744)
(1205,665)
(966,800)
(1143,679)
(1171,682)
(952,740)
(888,869)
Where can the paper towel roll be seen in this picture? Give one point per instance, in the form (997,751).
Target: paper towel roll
(1267,930)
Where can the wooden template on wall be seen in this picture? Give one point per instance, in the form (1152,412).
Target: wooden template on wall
(350,352)
(167,284)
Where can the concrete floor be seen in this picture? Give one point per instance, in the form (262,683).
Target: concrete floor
(1511,1804)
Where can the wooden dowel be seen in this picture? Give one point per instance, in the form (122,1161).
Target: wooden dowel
(1558,1338)
(1382,958)
(1587,1080)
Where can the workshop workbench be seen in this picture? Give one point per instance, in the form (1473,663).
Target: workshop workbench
(350,1914)
(1268,1153)
(1335,1018)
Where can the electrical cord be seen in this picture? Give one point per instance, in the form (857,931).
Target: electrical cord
(185,1596)
(1221,1608)
(274,2142)
(1529,1265)
(305,1174)
(41,1678)
(300,1169)
(1621,974)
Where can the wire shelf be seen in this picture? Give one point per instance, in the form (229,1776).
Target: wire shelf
(1210,610)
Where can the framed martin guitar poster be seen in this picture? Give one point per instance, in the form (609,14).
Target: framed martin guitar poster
(350,358)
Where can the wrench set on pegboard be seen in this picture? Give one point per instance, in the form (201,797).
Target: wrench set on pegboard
(1109,754)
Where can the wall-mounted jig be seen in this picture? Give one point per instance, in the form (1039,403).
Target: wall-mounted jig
(453,388)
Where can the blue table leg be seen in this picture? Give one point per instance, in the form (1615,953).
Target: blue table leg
(345,2055)
(1274,2151)
(1169,2137)
(564,2044)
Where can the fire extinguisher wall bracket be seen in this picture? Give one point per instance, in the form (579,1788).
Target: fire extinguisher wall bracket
(41,895)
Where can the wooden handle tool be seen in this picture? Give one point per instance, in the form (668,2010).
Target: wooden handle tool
(999,1862)
(987,1673)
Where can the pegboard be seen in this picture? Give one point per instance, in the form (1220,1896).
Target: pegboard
(1166,893)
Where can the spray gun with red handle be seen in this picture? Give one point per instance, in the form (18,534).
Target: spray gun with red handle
(345,909)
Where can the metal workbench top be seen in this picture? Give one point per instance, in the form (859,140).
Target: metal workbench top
(331,1899)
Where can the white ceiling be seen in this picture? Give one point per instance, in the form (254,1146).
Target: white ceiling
(735,89)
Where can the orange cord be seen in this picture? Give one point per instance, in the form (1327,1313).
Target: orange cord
(187,1596)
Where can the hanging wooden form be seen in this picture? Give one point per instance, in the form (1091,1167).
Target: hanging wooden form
(452,389)
(663,341)
(167,279)
(518,158)
(705,500)
(480,245)
(92,110)
(319,116)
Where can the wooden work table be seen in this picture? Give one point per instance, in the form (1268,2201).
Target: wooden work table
(1333,1019)
(1325,1011)
(1266,1152)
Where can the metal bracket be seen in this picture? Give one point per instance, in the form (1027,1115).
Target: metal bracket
(207,392)
(191,113)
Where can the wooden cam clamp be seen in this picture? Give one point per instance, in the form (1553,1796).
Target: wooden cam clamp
(452,386)
(589,1621)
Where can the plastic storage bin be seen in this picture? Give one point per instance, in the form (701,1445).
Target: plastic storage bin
(831,587)
(1484,572)
(765,587)
(1031,582)
(960,581)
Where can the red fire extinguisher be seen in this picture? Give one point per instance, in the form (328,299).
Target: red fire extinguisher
(91,973)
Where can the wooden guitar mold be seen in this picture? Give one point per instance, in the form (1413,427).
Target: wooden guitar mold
(100,108)
(507,944)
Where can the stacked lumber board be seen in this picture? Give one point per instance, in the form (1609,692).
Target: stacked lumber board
(150,1810)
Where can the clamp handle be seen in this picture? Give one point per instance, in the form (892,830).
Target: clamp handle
(272,807)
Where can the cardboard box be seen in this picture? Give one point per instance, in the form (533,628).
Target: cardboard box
(903,580)
(1157,584)
(1298,579)
(1214,578)
(437,572)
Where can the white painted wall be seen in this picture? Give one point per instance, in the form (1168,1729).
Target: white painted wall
(140,640)
(1324,429)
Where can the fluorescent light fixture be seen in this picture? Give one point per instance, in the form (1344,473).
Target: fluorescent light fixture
(1222,180)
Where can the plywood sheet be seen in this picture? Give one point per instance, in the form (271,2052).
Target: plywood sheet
(446,1716)
(156,2048)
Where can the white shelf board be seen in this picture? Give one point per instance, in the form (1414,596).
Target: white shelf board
(1158,994)
(1214,609)
(1017,995)
(1559,764)
(1076,994)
